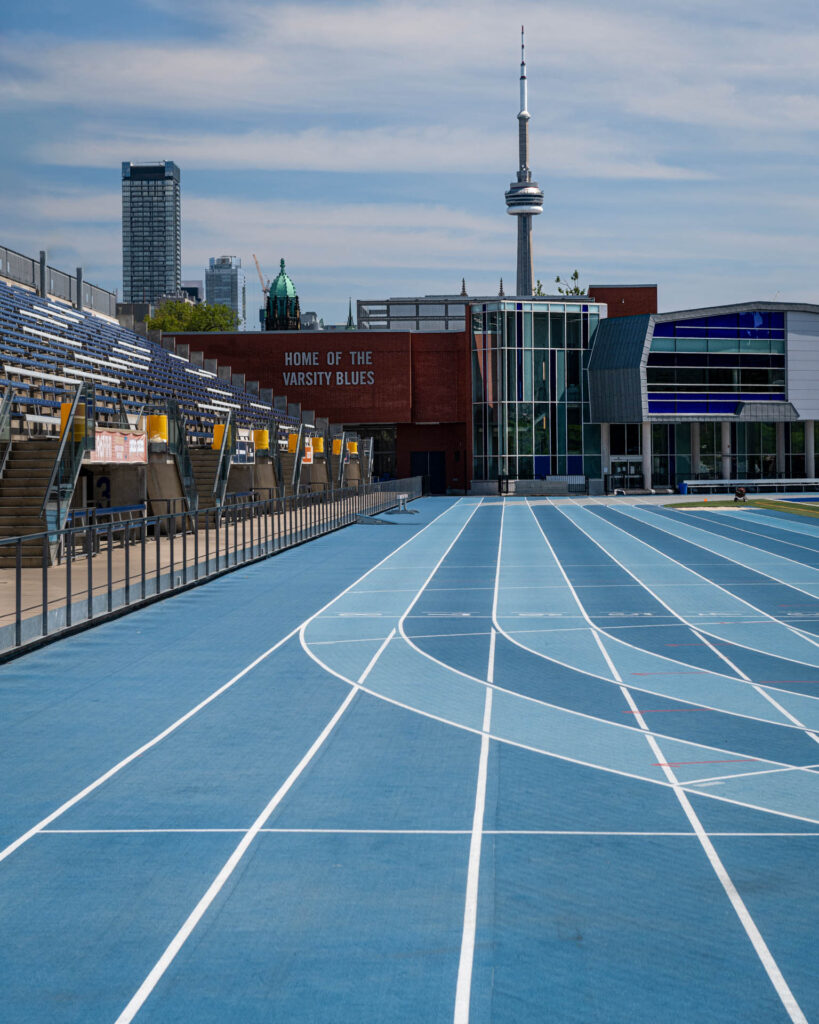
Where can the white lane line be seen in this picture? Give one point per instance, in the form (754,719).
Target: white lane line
(682,666)
(140,750)
(262,831)
(760,946)
(746,544)
(550,753)
(809,768)
(596,629)
(463,988)
(195,710)
(700,635)
(760,689)
(558,707)
(738,524)
(754,569)
(541,750)
(426,582)
(178,941)
(394,832)
(703,628)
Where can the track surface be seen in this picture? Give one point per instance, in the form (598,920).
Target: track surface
(503,761)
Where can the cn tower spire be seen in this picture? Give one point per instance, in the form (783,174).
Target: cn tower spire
(523,198)
(522,72)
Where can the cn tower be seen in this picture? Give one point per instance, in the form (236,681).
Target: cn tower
(523,198)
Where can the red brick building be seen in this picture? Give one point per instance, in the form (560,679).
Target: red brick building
(626,299)
(411,391)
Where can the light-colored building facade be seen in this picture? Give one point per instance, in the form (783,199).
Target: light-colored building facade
(724,392)
(226,284)
(418,313)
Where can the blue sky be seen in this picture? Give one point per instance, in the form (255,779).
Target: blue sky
(370,143)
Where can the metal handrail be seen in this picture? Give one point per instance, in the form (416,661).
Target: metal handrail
(296,478)
(178,447)
(340,480)
(5,427)
(226,451)
(370,444)
(163,554)
(63,441)
(276,454)
(69,457)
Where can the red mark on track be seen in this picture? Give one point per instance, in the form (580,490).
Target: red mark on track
(683,645)
(730,760)
(657,711)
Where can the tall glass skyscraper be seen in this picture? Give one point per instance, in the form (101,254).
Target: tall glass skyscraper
(225,283)
(151,231)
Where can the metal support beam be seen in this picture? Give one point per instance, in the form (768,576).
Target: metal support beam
(725,449)
(646,430)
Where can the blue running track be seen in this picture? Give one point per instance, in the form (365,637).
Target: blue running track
(503,761)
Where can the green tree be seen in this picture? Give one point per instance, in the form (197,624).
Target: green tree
(570,287)
(539,287)
(175,315)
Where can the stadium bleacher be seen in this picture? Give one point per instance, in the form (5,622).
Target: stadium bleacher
(48,348)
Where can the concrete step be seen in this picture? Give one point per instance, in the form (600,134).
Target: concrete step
(19,506)
(27,462)
(29,546)
(21,492)
(25,477)
(36,444)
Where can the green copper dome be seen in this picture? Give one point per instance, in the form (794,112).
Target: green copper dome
(282,287)
(282,310)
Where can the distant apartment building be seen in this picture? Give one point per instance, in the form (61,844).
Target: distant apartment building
(151,231)
(225,283)
(194,291)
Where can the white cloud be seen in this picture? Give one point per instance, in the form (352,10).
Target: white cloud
(401,61)
(431,148)
(666,137)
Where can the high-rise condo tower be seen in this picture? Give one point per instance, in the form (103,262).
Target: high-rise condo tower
(523,198)
(151,231)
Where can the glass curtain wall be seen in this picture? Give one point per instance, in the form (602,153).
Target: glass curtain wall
(530,390)
(705,365)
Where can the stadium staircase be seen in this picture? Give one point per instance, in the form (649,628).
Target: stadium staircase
(205,462)
(22,490)
(288,460)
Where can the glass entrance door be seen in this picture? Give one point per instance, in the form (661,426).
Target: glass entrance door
(626,472)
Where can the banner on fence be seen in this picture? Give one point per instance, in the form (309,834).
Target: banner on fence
(117,446)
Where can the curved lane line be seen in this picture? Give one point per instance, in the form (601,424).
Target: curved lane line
(571,715)
(551,753)
(669,692)
(733,597)
(759,689)
(653,519)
